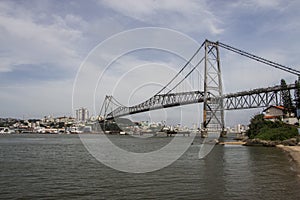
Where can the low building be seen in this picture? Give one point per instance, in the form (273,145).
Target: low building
(274,113)
(64,119)
(278,113)
(291,120)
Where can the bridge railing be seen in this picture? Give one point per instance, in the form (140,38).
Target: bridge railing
(158,102)
(256,98)
(261,97)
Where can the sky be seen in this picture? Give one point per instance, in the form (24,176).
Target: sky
(46,46)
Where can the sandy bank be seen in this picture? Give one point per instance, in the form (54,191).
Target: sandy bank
(294,152)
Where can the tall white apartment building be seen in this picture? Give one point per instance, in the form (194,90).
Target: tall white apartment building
(82,115)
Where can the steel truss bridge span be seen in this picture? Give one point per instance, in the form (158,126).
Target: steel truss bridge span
(158,101)
(207,57)
(256,98)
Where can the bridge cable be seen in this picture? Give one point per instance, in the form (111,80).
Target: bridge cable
(117,102)
(110,100)
(186,75)
(105,104)
(181,69)
(189,72)
(259,59)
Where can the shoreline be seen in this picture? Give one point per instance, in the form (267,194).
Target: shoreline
(294,153)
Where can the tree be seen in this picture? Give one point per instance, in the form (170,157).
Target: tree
(297,97)
(256,123)
(286,97)
(297,93)
(268,130)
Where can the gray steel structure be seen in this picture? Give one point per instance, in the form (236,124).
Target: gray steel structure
(257,98)
(156,102)
(262,97)
(214,101)
(213,109)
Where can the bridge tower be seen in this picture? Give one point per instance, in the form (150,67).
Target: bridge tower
(213,109)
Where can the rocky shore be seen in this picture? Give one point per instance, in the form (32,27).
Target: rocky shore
(294,153)
(268,143)
(291,146)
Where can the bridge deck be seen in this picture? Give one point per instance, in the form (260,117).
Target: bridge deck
(261,97)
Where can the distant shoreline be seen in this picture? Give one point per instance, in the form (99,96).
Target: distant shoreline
(294,153)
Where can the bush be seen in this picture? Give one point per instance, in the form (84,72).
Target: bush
(280,133)
(267,130)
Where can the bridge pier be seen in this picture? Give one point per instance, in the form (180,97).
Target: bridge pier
(204,133)
(223,133)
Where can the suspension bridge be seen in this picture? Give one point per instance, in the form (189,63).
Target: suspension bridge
(210,94)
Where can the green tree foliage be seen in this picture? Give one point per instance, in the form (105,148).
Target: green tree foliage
(279,133)
(256,123)
(286,97)
(267,130)
(116,125)
(297,93)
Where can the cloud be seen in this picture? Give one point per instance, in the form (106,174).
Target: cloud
(180,15)
(241,73)
(36,101)
(127,76)
(259,4)
(24,41)
(44,42)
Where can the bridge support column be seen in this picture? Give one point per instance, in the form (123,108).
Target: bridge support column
(105,106)
(213,109)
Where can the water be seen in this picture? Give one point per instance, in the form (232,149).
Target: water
(59,167)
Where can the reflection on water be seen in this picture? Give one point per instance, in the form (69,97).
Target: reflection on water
(59,167)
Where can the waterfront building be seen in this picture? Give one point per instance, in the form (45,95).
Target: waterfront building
(64,119)
(82,115)
(48,119)
(274,113)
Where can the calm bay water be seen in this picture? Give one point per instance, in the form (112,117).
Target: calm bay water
(59,167)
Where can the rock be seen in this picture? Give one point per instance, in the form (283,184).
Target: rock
(245,138)
(269,143)
(253,142)
(259,142)
(216,141)
(290,142)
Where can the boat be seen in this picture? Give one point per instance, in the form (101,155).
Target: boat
(6,130)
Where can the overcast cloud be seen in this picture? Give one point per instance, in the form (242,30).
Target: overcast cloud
(43,44)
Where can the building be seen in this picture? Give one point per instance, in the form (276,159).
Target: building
(274,113)
(82,115)
(64,119)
